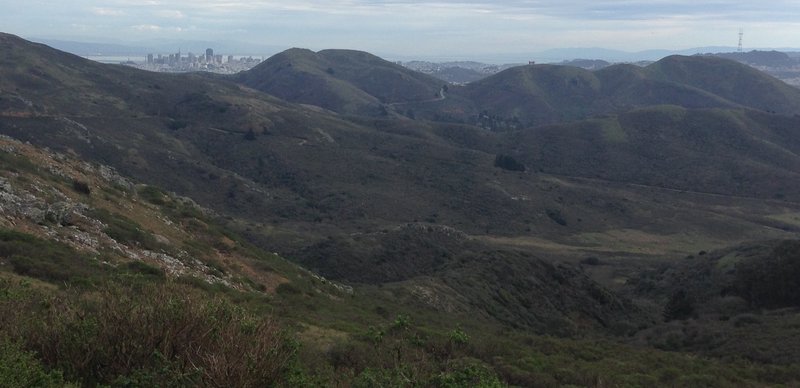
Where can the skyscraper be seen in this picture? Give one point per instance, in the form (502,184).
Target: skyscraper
(209,55)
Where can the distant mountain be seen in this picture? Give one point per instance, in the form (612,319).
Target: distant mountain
(771,59)
(610,55)
(343,81)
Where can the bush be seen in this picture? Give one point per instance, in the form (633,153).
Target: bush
(81,187)
(467,373)
(43,259)
(159,335)
(508,163)
(19,368)
(679,306)
(591,261)
(153,195)
(126,231)
(556,216)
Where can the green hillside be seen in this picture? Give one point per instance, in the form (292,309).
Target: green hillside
(104,281)
(730,80)
(532,95)
(344,81)
(736,152)
(460,248)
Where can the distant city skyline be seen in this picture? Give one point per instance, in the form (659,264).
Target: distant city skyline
(456,29)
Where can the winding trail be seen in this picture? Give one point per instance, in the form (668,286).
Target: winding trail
(440,97)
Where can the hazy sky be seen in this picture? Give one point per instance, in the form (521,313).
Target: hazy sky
(411,27)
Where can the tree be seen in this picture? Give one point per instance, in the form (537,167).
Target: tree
(679,306)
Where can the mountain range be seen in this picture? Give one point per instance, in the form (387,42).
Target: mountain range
(545,198)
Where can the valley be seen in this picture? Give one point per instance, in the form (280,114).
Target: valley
(544,226)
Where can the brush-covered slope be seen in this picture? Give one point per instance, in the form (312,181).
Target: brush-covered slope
(90,260)
(542,94)
(733,152)
(299,178)
(344,81)
(741,301)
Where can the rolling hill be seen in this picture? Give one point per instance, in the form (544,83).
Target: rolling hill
(543,94)
(344,81)
(540,229)
(722,151)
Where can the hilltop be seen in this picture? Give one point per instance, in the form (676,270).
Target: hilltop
(344,81)
(532,95)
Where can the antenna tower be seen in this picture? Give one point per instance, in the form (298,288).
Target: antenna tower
(741,34)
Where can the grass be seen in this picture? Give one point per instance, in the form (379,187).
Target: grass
(44,259)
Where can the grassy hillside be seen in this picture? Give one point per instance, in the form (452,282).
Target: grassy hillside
(533,95)
(730,80)
(745,153)
(344,81)
(293,177)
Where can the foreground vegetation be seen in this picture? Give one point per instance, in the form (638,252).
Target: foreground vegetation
(132,326)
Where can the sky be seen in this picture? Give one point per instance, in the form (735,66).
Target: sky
(444,28)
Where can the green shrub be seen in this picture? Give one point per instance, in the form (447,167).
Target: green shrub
(142,268)
(287,289)
(679,306)
(126,231)
(19,368)
(467,373)
(43,259)
(153,195)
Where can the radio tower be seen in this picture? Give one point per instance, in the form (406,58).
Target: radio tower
(741,34)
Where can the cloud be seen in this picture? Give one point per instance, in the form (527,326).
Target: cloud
(107,11)
(169,14)
(421,26)
(156,28)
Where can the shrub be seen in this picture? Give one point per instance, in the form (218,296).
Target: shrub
(126,231)
(81,187)
(177,124)
(679,306)
(556,216)
(153,195)
(43,259)
(19,368)
(467,373)
(507,162)
(159,335)
(287,289)
(591,261)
